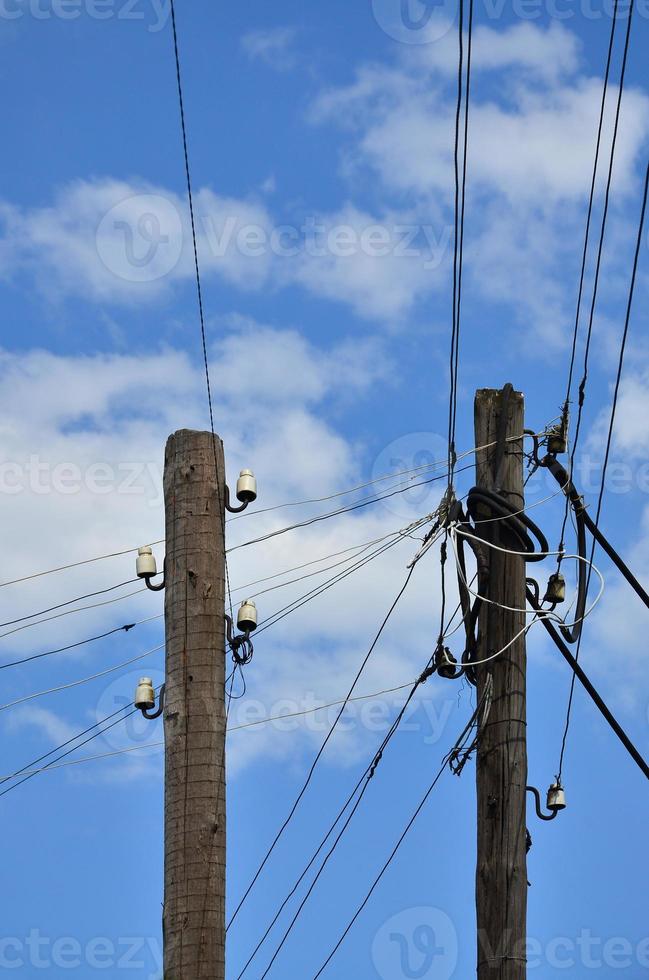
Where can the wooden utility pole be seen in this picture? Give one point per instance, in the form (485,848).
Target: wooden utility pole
(501,878)
(194,717)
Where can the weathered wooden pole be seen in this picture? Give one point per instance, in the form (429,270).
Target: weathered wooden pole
(501,878)
(194,717)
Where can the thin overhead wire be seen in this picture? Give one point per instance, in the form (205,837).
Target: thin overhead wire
(74,564)
(336,513)
(400,841)
(591,201)
(83,680)
(600,247)
(231,729)
(320,752)
(68,602)
(609,441)
(460,252)
(199,290)
(362,785)
(328,584)
(70,646)
(75,738)
(314,561)
(70,612)
(388,476)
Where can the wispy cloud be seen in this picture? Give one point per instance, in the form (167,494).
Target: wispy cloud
(275,47)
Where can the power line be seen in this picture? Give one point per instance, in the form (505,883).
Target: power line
(70,612)
(84,680)
(128,551)
(364,782)
(322,747)
(411,821)
(199,291)
(365,778)
(314,593)
(60,605)
(70,646)
(342,510)
(609,441)
(591,201)
(315,561)
(460,252)
(600,247)
(578,672)
(74,738)
(74,564)
(233,728)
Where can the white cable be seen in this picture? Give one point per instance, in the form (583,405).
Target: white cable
(528,626)
(84,680)
(528,612)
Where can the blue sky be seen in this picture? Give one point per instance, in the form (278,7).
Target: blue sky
(321,140)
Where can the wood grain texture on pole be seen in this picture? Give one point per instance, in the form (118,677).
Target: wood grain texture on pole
(194,717)
(501,876)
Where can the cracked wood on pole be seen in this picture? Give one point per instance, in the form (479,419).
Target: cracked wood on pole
(194,717)
(501,769)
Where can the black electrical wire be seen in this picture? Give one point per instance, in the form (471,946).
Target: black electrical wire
(30,765)
(363,782)
(344,510)
(456,247)
(318,590)
(322,748)
(199,290)
(600,248)
(579,673)
(591,201)
(517,521)
(70,646)
(69,602)
(400,841)
(460,261)
(609,441)
(377,756)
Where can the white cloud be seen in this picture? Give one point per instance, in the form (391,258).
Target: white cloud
(532,129)
(274,47)
(50,724)
(537,139)
(108,410)
(129,243)
(124,242)
(631,432)
(547,54)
